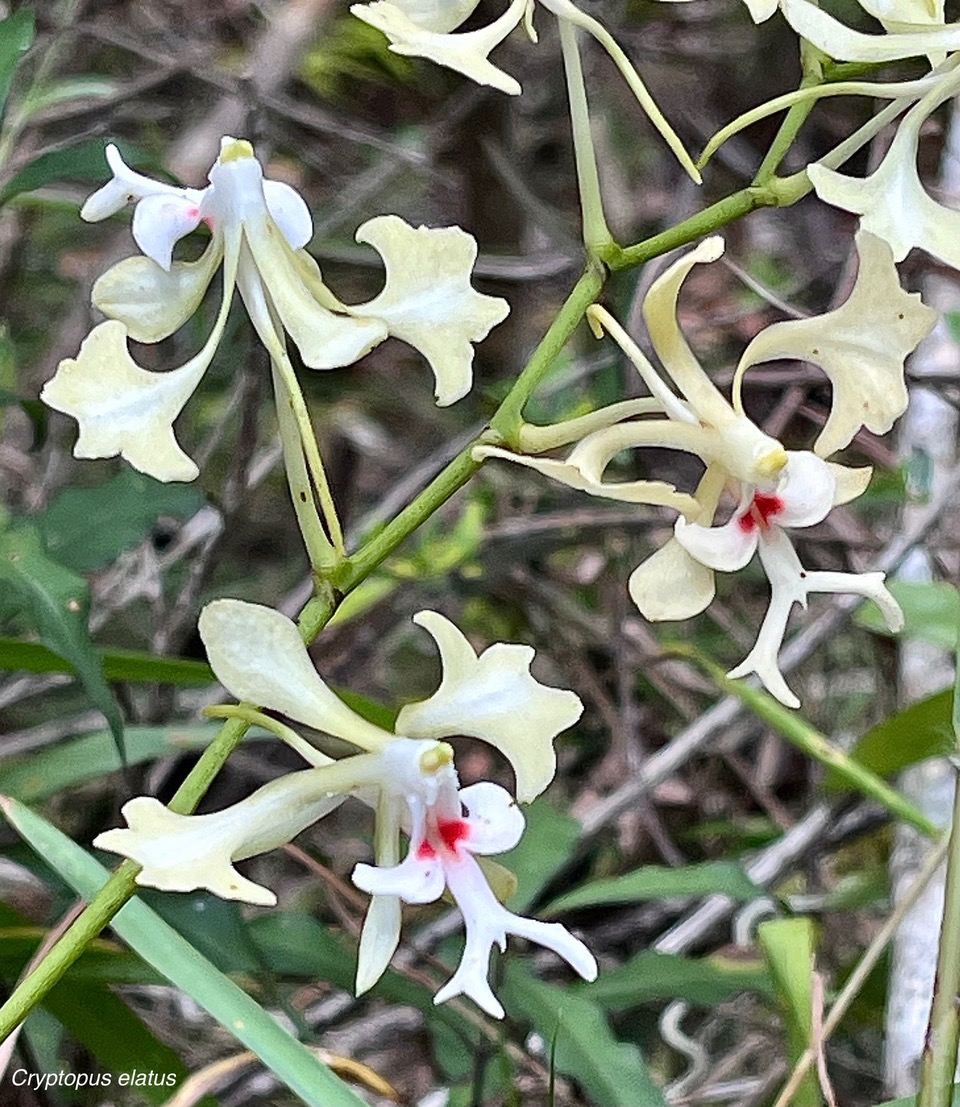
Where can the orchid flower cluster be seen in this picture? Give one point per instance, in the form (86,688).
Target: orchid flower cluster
(861,347)
(408,777)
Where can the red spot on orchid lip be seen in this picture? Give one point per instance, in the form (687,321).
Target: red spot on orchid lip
(767,506)
(425,852)
(453,832)
(747,523)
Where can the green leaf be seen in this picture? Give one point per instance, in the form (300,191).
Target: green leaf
(612,1073)
(659,882)
(911,1101)
(163,948)
(101,963)
(131,665)
(789,948)
(920,731)
(56,602)
(105,1026)
(89,758)
(17,33)
(66,91)
(931,612)
(87,528)
(651,975)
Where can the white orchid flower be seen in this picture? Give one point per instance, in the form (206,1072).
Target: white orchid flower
(424,29)
(861,346)
(259,656)
(808,489)
(443,843)
(258,231)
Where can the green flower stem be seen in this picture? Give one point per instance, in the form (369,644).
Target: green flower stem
(505,427)
(596,233)
(812,61)
(711,219)
(938,1062)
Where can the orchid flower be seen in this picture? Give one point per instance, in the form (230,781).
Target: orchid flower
(425,29)
(258,231)
(808,490)
(861,346)
(259,656)
(443,843)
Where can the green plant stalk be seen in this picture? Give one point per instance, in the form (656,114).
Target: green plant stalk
(938,1062)
(596,233)
(784,138)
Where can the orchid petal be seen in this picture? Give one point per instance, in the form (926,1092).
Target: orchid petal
(636,492)
(660,315)
(671,584)
(495,698)
(379,939)
(414,880)
(807,490)
(761,10)
(126,187)
(123,409)
(153,302)
(325,340)
(488,923)
(869,585)
(160,221)
(496,823)
(787,587)
(851,482)
(726,548)
(427,299)
(258,655)
(289,211)
(180,853)
(861,346)
(464,53)
(843,44)
(380,934)
(437,15)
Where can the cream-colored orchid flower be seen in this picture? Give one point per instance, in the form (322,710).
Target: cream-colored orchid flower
(259,656)
(861,346)
(258,231)
(893,204)
(426,30)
